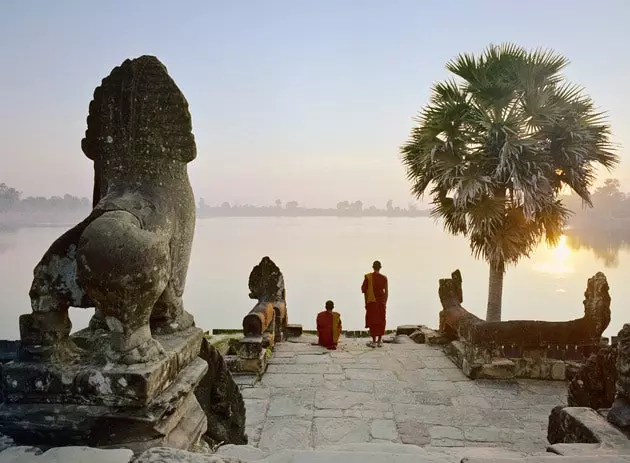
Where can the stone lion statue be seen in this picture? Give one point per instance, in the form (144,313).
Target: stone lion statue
(129,258)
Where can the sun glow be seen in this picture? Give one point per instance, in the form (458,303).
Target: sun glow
(559,261)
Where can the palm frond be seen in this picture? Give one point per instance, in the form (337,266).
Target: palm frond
(495,147)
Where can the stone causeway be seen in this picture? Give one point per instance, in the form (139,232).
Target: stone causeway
(411,393)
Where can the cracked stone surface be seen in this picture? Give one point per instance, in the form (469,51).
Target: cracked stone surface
(401,393)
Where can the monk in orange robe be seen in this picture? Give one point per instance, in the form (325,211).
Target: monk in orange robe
(375,290)
(328,326)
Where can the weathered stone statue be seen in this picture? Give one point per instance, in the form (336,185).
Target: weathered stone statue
(619,413)
(221,400)
(594,384)
(142,375)
(129,257)
(266,284)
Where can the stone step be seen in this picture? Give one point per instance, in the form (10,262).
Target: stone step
(366,453)
(65,455)
(348,453)
(554,459)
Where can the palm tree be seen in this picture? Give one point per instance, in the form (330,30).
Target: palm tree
(494,148)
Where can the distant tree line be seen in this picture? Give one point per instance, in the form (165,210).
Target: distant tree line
(12,203)
(611,208)
(293,209)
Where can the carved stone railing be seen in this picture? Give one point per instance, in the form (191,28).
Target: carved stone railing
(522,348)
(259,319)
(268,318)
(264,325)
(599,403)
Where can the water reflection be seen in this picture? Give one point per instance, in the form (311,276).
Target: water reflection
(559,261)
(321,258)
(605,244)
(7,240)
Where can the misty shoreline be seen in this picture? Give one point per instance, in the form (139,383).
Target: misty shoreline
(14,221)
(51,219)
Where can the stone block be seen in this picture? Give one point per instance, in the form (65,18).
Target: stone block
(171,455)
(580,450)
(402,339)
(44,328)
(250,347)
(549,459)
(244,452)
(500,368)
(239,365)
(286,433)
(558,370)
(185,433)
(21,454)
(85,455)
(407,329)
(99,425)
(225,344)
(294,331)
(330,431)
(569,425)
(245,380)
(455,350)
(268,339)
(619,413)
(384,429)
(91,381)
(472,370)
(413,431)
(417,337)
(257,366)
(8,350)
(433,337)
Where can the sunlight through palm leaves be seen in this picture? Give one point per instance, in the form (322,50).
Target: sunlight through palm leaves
(494,148)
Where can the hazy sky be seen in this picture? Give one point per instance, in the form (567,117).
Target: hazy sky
(298,100)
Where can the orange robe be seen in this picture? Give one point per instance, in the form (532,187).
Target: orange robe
(374,285)
(328,328)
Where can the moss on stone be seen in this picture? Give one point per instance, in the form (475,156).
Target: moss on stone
(226,344)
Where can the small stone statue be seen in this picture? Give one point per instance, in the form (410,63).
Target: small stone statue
(619,413)
(597,303)
(129,257)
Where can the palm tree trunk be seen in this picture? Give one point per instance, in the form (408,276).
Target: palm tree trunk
(495,292)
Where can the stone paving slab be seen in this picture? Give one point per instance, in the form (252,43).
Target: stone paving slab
(401,393)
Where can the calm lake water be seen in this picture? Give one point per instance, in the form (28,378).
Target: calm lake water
(325,258)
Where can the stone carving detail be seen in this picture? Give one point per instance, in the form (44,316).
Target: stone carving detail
(457,322)
(619,413)
(129,257)
(221,399)
(133,377)
(594,384)
(266,282)
(521,348)
(454,318)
